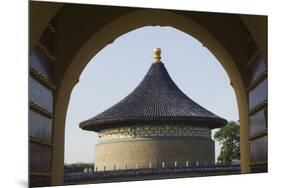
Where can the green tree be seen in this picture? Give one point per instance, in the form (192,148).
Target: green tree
(229,137)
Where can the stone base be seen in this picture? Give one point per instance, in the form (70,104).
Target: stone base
(154,152)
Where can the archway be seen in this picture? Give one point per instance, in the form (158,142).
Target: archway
(121,26)
(118,68)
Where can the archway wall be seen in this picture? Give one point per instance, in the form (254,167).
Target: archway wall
(75,26)
(41,108)
(82,31)
(257,90)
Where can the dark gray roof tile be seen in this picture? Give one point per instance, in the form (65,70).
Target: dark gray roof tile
(156,98)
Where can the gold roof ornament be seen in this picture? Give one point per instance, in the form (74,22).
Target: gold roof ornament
(157,55)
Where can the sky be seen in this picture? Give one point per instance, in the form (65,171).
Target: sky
(119,67)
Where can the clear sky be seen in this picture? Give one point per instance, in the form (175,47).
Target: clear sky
(118,68)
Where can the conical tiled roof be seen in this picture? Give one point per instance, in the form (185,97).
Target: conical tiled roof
(156,99)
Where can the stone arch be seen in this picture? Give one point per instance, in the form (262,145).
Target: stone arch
(120,26)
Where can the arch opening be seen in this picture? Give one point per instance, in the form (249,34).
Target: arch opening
(128,23)
(183,56)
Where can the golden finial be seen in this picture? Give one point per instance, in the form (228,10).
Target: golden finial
(157,55)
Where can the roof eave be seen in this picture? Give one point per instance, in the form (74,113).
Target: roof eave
(96,126)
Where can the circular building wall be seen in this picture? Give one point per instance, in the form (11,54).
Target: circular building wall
(154,146)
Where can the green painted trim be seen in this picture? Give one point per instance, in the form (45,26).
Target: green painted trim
(258,135)
(258,80)
(42,79)
(257,108)
(39,109)
(40,141)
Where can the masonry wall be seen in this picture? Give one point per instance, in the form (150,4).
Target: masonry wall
(140,153)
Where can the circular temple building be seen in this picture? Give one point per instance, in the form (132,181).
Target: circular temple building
(155,126)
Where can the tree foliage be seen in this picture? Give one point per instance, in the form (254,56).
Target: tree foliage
(78,167)
(229,137)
